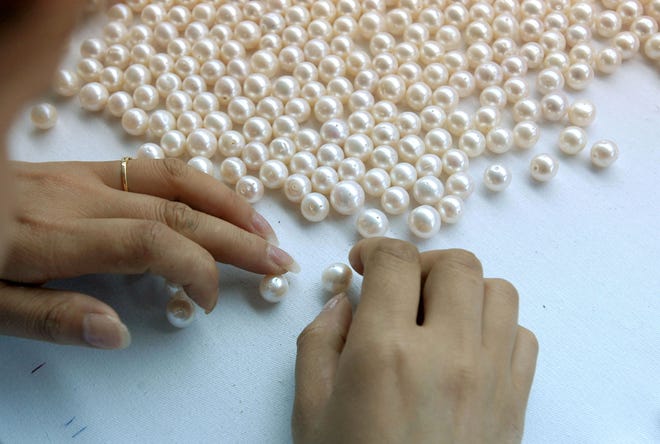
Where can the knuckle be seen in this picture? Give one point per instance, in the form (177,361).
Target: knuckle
(394,250)
(179,216)
(464,259)
(143,239)
(174,169)
(311,334)
(48,323)
(504,290)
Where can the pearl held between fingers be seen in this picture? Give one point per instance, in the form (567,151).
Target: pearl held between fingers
(604,153)
(43,116)
(337,278)
(180,310)
(543,167)
(273,288)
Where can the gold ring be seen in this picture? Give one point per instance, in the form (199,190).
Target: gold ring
(124,179)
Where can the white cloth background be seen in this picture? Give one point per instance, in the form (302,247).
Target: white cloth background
(583,251)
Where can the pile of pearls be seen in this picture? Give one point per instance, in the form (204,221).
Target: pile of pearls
(343,104)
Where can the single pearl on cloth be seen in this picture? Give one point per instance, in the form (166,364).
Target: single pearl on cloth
(150,151)
(202,142)
(543,167)
(497,177)
(173,143)
(43,116)
(203,164)
(180,310)
(454,160)
(347,197)
(372,223)
(428,190)
(424,221)
(604,153)
(296,187)
(250,188)
(451,209)
(336,278)
(460,184)
(572,140)
(526,134)
(273,288)
(315,207)
(581,113)
(93,97)
(135,121)
(395,200)
(273,174)
(232,169)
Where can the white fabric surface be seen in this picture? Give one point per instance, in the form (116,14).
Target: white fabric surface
(582,250)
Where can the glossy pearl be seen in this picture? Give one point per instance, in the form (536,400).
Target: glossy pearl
(395,200)
(604,153)
(403,175)
(273,288)
(296,187)
(203,164)
(454,160)
(93,97)
(232,169)
(526,109)
(372,223)
(554,106)
(526,134)
(572,140)
(180,310)
(499,140)
(336,278)
(428,190)
(273,174)
(351,169)
(160,122)
(581,113)
(460,184)
(66,83)
(250,188)
(202,142)
(231,143)
(451,209)
(543,167)
(150,151)
(135,121)
(43,116)
(173,143)
(315,207)
(347,197)
(497,177)
(472,143)
(424,221)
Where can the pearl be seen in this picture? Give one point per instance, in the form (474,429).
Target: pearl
(254,154)
(431,117)
(486,118)
(424,221)
(194,84)
(493,96)
(372,223)
(543,167)
(572,140)
(351,169)
(497,177)
(533,54)
(240,109)
(554,106)
(384,111)
(217,122)
(454,160)
(178,102)
(66,83)
(549,80)
(324,178)
(581,113)
(43,116)
(93,97)
(604,153)
(403,175)
(330,154)
(526,109)
(460,184)
(160,122)
(516,89)
(173,143)
(307,139)
(282,149)
(358,122)
(273,174)
(328,107)
(608,24)
(232,169)
(463,82)
(472,143)
(429,165)
(488,74)
(180,310)
(438,140)
(525,134)
(608,60)
(226,89)
(303,162)
(257,129)
(336,278)
(347,197)
(168,83)
(499,140)
(250,188)
(395,200)
(146,97)
(376,181)
(411,148)
(135,121)
(451,209)
(428,190)
(458,122)
(150,151)
(359,146)
(391,87)
(112,78)
(652,47)
(296,187)
(203,164)
(627,43)
(315,207)
(273,288)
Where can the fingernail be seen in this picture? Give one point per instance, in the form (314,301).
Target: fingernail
(282,259)
(263,228)
(103,331)
(333,302)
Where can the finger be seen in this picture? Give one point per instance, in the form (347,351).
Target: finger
(453,295)
(60,316)
(172,179)
(500,318)
(391,284)
(523,362)
(319,347)
(227,243)
(130,246)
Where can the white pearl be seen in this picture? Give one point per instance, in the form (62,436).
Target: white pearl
(526,134)
(232,169)
(411,148)
(193,84)
(359,146)
(372,223)
(167,83)
(499,140)
(424,221)
(526,109)
(180,310)
(282,148)
(549,80)
(93,96)
(89,69)
(240,109)
(360,100)
(493,96)
(342,88)
(516,89)
(428,165)
(454,160)
(384,111)
(146,97)
(579,75)
(497,177)
(254,154)
(336,278)
(250,188)
(358,122)
(403,175)
(160,122)
(205,103)
(395,200)
(543,167)
(330,154)
(303,162)
(385,133)
(43,116)
(351,169)
(384,157)
(376,181)
(608,60)
(652,47)
(486,118)
(202,142)
(554,106)
(308,139)
(189,121)
(335,131)
(445,97)
(112,78)
(296,187)
(173,143)
(150,151)
(299,109)
(628,43)
(581,113)
(136,75)
(428,190)
(324,179)
(273,288)
(438,140)
(472,143)
(315,207)
(458,122)
(66,83)
(604,153)
(347,197)
(451,209)
(203,164)
(135,121)
(460,184)
(273,174)
(430,117)
(572,140)
(328,107)
(178,102)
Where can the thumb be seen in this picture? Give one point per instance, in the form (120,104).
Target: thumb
(319,347)
(62,317)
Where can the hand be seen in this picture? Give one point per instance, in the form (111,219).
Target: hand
(73,219)
(462,376)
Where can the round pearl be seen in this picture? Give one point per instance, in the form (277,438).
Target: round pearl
(178,102)
(282,149)
(411,148)
(146,97)
(493,96)
(428,190)
(499,140)
(472,143)
(93,96)
(315,207)
(359,146)
(160,122)
(324,179)
(385,111)
(202,142)
(330,154)
(454,160)
(347,197)
(303,162)
(460,184)
(372,223)
(438,141)
(358,122)
(150,151)
(497,177)
(254,154)
(385,133)
(458,122)
(180,310)
(486,118)
(250,188)
(579,75)
(376,181)
(628,43)
(608,60)
(549,80)
(424,221)
(232,169)
(135,121)
(226,88)
(554,106)
(273,288)
(543,167)
(66,83)
(240,109)
(296,187)
(328,107)
(604,153)
(173,143)
(43,116)
(112,78)
(403,175)
(395,200)
(526,109)
(273,174)
(572,140)
(451,209)
(89,69)
(336,278)
(203,164)
(231,143)
(168,83)
(429,165)
(581,113)
(351,169)
(526,134)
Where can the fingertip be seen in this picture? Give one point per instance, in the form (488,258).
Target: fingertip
(105,331)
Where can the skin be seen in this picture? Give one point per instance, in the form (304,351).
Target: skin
(433,352)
